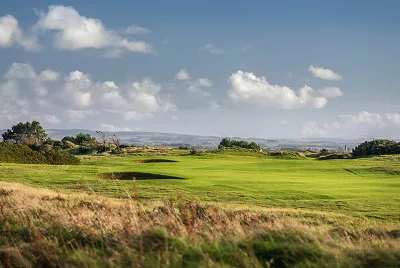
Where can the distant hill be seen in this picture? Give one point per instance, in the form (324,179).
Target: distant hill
(198,141)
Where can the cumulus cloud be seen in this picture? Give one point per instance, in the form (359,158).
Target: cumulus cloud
(195,88)
(364,118)
(182,75)
(76,96)
(51,119)
(324,73)
(212,49)
(355,125)
(329,92)
(204,82)
(311,130)
(112,128)
(248,88)
(195,85)
(74,32)
(135,29)
(110,84)
(393,118)
(49,75)
(20,71)
(11,33)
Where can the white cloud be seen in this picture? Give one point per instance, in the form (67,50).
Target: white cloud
(323,73)
(204,82)
(182,75)
(52,119)
(110,84)
(74,32)
(76,96)
(112,128)
(246,87)
(362,124)
(49,75)
(393,118)
(311,130)
(135,29)
(79,115)
(365,118)
(11,33)
(194,88)
(212,49)
(133,115)
(24,71)
(330,92)
(20,71)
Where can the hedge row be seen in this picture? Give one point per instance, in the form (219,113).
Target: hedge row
(22,154)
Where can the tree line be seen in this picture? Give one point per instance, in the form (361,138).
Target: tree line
(228,143)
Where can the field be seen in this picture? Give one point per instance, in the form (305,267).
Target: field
(275,212)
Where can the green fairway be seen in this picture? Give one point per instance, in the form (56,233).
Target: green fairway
(362,188)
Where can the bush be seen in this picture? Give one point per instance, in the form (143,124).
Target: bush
(377,147)
(58,157)
(22,154)
(85,149)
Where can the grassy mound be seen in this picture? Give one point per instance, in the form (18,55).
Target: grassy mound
(42,228)
(249,152)
(22,154)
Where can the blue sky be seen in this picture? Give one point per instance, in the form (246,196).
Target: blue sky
(229,68)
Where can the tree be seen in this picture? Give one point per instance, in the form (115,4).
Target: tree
(114,139)
(102,138)
(377,147)
(31,133)
(82,138)
(68,138)
(238,143)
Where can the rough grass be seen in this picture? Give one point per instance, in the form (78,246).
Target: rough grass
(43,228)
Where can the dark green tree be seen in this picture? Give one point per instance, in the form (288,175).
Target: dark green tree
(31,133)
(68,138)
(82,138)
(225,142)
(377,147)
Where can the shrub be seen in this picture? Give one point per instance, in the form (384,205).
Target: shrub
(85,149)
(59,157)
(22,154)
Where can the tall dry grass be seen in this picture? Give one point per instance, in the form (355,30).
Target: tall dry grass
(40,227)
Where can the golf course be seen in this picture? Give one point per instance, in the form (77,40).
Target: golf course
(358,187)
(204,210)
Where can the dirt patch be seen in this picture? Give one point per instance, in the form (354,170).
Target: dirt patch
(136,176)
(145,161)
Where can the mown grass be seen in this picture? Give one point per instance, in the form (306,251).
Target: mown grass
(43,228)
(366,188)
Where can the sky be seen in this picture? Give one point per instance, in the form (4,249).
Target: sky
(267,69)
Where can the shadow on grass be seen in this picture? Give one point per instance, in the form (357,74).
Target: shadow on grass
(136,176)
(145,161)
